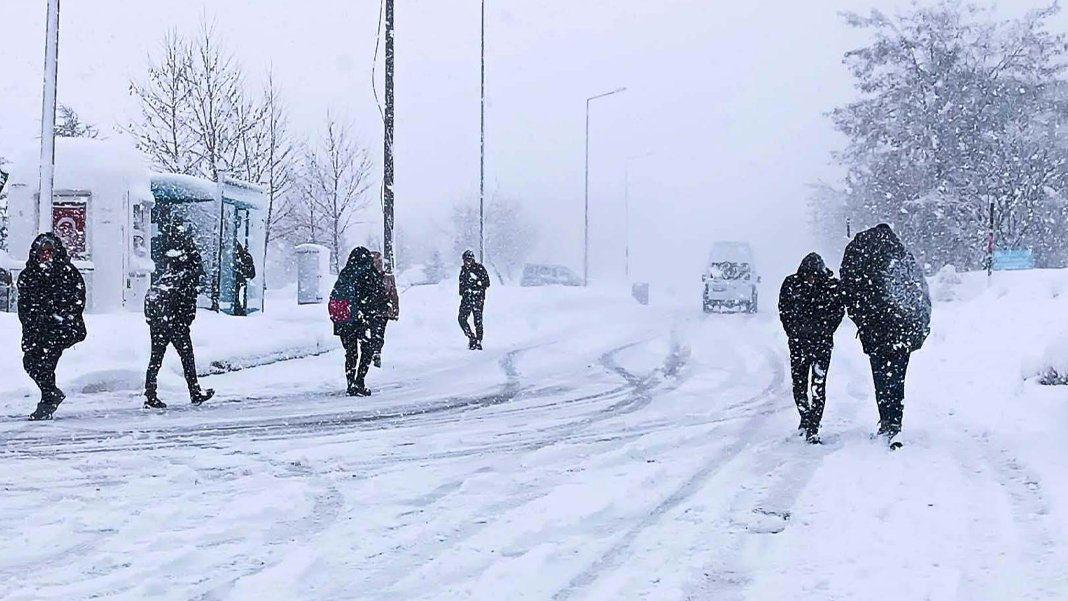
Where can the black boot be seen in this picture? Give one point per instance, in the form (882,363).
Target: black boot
(152,401)
(43,412)
(48,405)
(812,436)
(199,397)
(357,388)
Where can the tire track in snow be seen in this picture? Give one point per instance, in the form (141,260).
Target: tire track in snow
(639,392)
(611,558)
(281,427)
(1044,551)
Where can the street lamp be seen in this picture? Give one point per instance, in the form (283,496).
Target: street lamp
(482,149)
(586,224)
(48,119)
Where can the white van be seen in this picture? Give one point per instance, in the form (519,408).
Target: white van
(731,279)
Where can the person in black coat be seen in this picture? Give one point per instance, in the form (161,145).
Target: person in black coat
(474,280)
(244,270)
(887,298)
(811,309)
(170,308)
(381,319)
(355,302)
(51,303)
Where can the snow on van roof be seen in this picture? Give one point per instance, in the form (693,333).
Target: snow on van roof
(731,252)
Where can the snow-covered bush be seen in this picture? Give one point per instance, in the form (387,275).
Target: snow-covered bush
(945,284)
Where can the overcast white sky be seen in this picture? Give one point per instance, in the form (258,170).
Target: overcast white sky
(726,97)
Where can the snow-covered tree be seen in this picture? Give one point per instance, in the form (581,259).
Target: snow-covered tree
(334,176)
(222,115)
(198,116)
(70,125)
(957,110)
(510,233)
(164,131)
(271,155)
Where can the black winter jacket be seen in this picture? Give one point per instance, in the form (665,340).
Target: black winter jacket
(246,265)
(474,280)
(359,289)
(172,299)
(886,292)
(51,299)
(811,311)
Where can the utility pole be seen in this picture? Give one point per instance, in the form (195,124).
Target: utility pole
(586,204)
(48,120)
(990,244)
(482,150)
(216,285)
(387,162)
(626,221)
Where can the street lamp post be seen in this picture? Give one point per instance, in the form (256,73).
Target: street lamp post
(586,222)
(482,149)
(48,120)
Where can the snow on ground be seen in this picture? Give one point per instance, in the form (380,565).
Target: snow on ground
(596,450)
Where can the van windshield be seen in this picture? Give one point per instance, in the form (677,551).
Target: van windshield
(728,271)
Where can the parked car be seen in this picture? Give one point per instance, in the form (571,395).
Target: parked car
(730,280)
(548,275)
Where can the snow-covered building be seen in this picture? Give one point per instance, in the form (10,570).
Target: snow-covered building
(117,219)
(101,207)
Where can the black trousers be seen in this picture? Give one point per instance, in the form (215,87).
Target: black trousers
(40,364)
(177,336)
(888,370)
(358,354)
(809,362)
(472,306)
(378,335)
(240,300)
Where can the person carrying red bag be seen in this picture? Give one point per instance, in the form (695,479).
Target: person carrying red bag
(355,302)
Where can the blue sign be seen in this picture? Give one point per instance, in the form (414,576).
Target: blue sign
(1014,260)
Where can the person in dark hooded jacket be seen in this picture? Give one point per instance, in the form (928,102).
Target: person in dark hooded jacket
(356,301)
(811,309)
(888,299)
(170,308)
(51,303)
(474,280)
(244,270)
(392,303)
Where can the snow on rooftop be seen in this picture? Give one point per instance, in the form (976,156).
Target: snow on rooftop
(190,187)
(83,162)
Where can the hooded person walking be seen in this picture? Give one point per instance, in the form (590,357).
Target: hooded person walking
(356,301)
(170,308)
(888,299)
(474,280)
(381,319)
(51,303)
(811,309)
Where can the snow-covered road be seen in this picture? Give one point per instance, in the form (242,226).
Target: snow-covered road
(612,452)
